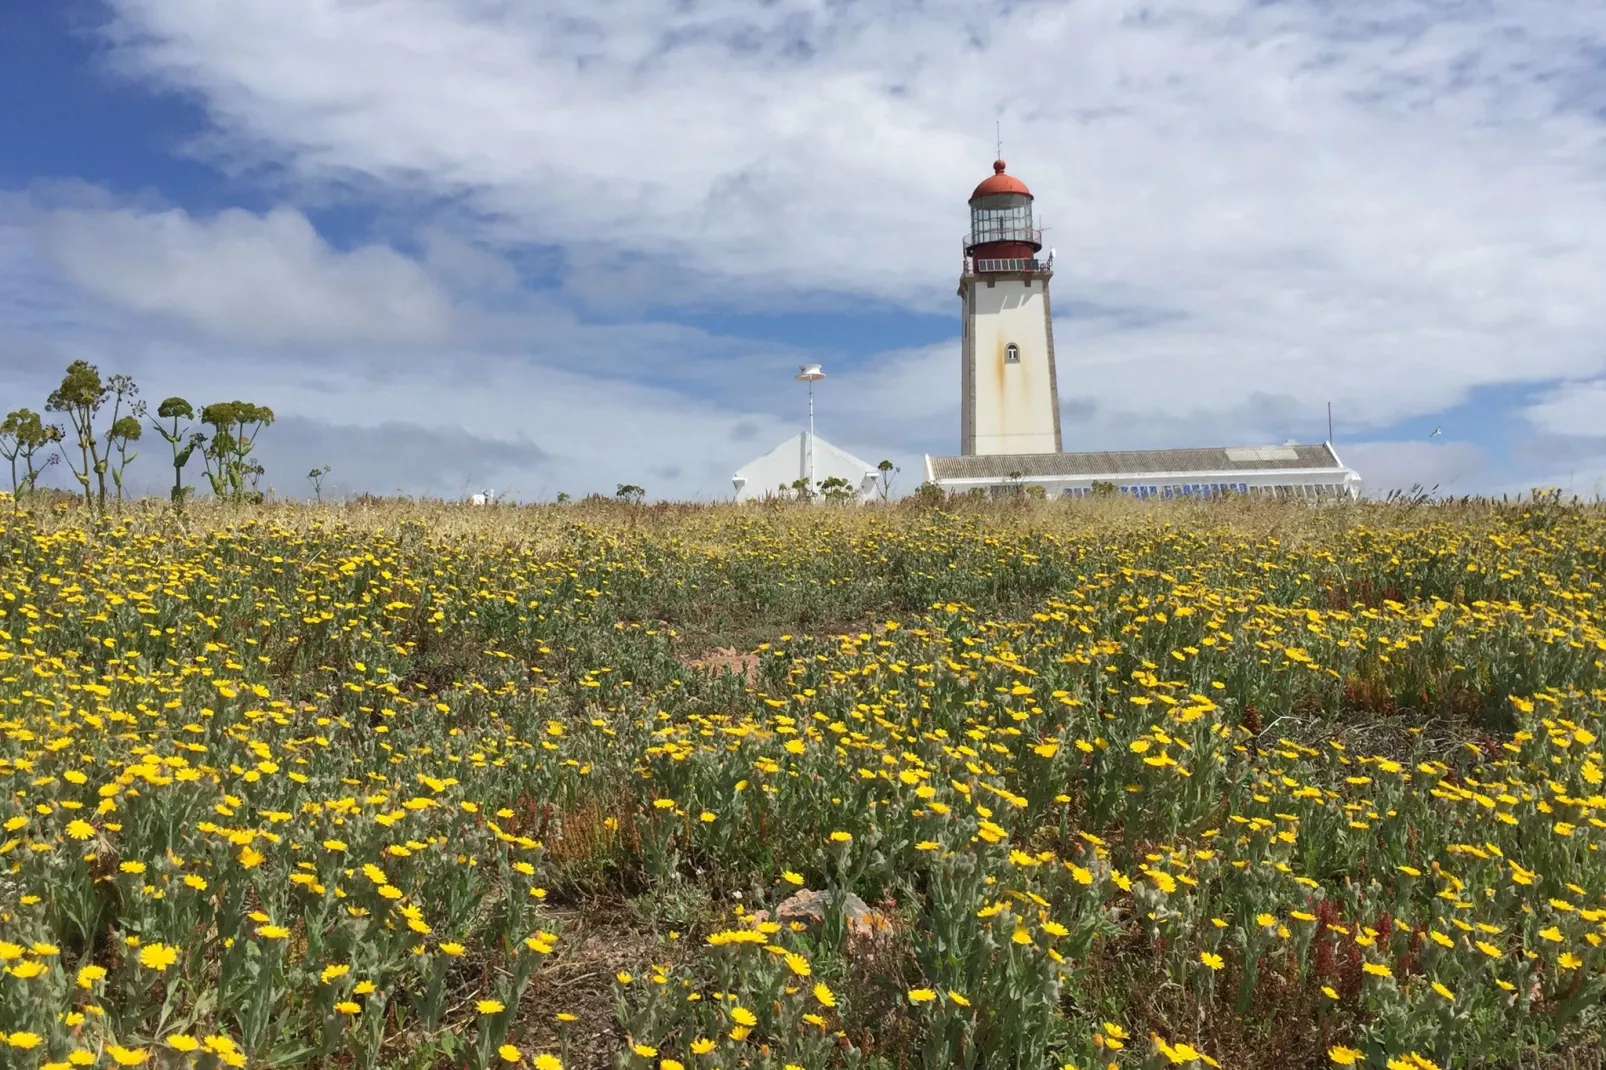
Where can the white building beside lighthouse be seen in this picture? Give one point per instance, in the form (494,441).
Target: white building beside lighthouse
(1009,422)
(808,458)
(1009,397)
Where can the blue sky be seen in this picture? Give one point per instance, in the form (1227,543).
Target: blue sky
(563,245)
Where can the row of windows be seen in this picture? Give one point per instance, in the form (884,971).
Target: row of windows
(1323,491)
(987,265)
(1184,490)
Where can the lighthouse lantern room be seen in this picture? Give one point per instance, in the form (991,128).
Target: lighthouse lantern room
(1009,393)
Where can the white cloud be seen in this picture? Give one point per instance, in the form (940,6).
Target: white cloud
(1571,409)
(467,265)
(546,403)
(1454,468)
(1383,209)
(525,423)
(245,277)
(1586,481)
(392,457)
(529,400)
(538,430)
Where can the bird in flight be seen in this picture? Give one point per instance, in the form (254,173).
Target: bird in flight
(1437,431)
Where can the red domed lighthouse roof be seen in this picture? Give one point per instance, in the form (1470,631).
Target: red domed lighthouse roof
(1000,183)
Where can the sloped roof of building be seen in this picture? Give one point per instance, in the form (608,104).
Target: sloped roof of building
(789,461)
(1134,462)
(794,451)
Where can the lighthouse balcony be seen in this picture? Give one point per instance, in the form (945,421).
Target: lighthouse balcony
(994,266)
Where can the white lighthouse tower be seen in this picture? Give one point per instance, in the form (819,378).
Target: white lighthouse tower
(1009,398)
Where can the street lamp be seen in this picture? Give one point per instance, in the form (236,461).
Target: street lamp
(810,373)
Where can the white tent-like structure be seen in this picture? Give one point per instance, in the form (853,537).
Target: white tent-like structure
(774,473)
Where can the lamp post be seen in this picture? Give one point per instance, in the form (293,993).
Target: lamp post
(810,373)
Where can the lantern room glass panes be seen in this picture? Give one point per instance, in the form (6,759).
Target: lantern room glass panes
(1002,217)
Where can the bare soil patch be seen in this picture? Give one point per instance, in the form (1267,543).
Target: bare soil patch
(722,658)
(594,950)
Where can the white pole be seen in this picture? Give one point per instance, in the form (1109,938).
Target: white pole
(811,436)
(808,373)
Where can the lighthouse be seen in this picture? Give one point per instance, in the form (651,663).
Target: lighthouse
(1009,397)
(1009,411)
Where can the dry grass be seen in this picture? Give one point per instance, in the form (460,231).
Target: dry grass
(707,527)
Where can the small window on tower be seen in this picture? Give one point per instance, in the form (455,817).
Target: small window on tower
(1012,354)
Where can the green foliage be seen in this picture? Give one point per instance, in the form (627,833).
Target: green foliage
(175,409)
(888,471)
(837,490)
(183,441)
(229,465)
(1103,489)
(317,476)
(23,434)
(125,431)
(80,396)
(629,492)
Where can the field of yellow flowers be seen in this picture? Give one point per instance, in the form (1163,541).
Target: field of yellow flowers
(1191,785)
